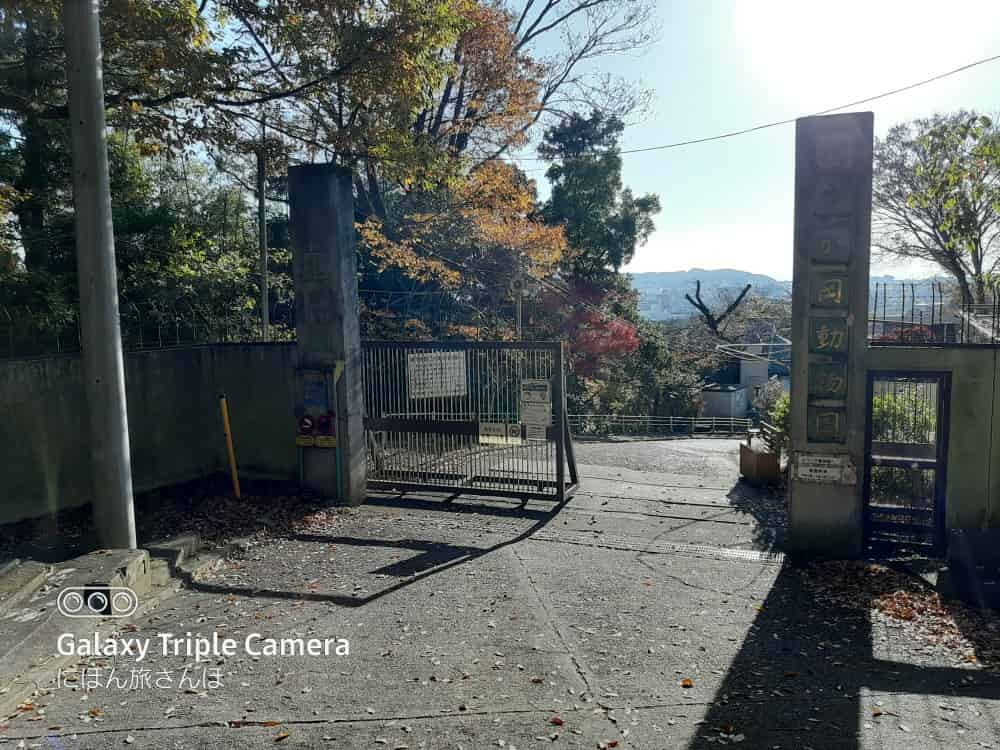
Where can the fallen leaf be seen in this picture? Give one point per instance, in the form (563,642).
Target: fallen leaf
(687,682)
(557,721)
(282,737)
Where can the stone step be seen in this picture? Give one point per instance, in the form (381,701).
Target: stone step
(176,550)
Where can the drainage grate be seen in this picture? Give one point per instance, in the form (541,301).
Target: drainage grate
(726,553)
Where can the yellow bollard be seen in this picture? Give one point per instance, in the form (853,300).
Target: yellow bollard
(229,443)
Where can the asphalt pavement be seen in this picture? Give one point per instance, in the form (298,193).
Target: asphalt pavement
(654,610)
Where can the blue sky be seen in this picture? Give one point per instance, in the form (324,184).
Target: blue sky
(722,65)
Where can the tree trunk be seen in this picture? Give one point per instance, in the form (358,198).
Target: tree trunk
(33,180)
(364,203)
(980,290)
(31,211)
(963,286)
(375,190)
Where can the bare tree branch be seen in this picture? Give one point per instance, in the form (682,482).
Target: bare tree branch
(713,321)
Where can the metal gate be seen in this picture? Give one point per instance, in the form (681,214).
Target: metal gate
(906,467)
(487,418)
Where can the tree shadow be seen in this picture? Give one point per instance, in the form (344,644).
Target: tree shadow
(431,558)
(769,508)
(799,677)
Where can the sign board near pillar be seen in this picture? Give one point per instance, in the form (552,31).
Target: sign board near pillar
(833,183)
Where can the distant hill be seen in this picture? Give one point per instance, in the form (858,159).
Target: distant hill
(661,293)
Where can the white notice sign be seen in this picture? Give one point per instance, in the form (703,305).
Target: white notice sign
(436,374)
(499,433)
(823,468)
(536,407)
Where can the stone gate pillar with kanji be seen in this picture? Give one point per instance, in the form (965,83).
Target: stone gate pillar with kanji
(833,186)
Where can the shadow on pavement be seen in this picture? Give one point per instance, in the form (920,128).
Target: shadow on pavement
(797,678)
(432,557)
(769,508)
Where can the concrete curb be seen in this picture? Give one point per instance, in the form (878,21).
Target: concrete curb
(175,550)
(29,632)
(19,580)
(187,557)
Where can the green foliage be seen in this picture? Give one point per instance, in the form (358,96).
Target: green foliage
(936,196)
(417,97)
(604,221)
(903,417)
(780,417)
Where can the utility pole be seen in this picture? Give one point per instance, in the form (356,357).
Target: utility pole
(517,285)
(265,309)
(520,304)
(103,367)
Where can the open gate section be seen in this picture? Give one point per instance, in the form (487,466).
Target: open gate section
(487,418)
(907,460)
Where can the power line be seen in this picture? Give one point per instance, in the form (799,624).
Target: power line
(778,123)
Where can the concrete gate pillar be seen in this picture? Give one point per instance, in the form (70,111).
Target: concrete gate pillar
(330,396)
(833,188)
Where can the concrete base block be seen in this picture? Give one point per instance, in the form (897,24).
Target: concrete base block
(824,521)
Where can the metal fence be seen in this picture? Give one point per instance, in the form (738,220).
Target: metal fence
(618,424)
(912,313)
(928,313)
(980,324)
(482,417)
(27,332)
(907,458)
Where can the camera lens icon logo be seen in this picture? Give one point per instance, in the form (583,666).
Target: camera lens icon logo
(97,601)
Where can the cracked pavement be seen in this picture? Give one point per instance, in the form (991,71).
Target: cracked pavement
(652,611)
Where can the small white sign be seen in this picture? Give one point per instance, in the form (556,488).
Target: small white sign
(536,391)
(499,433)
(436,374)
(535,432)
(825,468)
(536,407)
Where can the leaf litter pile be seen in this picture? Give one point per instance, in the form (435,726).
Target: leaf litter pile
(205,508)
(927,622)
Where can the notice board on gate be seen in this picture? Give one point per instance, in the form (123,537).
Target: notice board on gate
(536,407)
(436,375)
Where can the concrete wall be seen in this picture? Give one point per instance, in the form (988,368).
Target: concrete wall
(973,482)
(174,421)
(753,372)
(726,403)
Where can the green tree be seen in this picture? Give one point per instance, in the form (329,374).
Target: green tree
(779,416)
(620,363)
(936,197)
(604,221)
